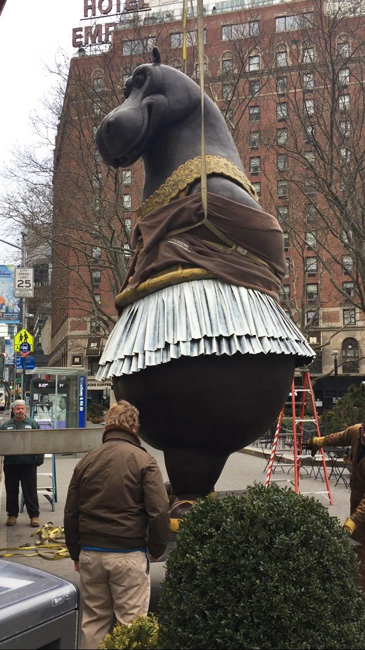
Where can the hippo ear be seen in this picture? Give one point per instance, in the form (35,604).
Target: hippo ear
(156,56)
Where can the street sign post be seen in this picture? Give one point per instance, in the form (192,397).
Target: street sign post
(29,363)
(24,349)
(24,283)
(24,337)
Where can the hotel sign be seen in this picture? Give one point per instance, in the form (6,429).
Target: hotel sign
(100,32)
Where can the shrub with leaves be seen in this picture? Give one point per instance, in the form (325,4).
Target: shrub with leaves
(142,633)
(350,409)
(268,569)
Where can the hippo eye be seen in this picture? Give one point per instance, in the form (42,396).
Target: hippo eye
(139,79)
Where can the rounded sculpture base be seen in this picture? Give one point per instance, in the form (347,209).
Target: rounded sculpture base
(199,410)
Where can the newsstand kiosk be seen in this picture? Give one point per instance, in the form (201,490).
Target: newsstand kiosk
(58,397)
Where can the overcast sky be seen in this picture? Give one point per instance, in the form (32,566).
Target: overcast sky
(31,33)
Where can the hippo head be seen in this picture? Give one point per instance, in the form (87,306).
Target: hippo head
(156,96)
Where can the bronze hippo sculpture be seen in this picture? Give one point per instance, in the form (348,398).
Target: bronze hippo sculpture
(202,347)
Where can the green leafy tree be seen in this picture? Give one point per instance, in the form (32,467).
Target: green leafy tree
(350,409)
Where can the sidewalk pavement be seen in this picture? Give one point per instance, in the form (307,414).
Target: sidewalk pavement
(241,470)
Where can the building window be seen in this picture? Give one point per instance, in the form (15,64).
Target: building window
(127,201)
(345,155)
(94,327)
(308,54)
(227,67)
(254,63)
(282,189)
(281,59)
(344,103)
(311,291)
(309,133)
(284,292)
(343,49)
(254,113)
(97,157)
(283,214)
(349,316)
(310,212)
(309,107)
(350,356)
(257,188)
(310,188)
(227,91)
(139,46)
(282,85)
(311,239)
(191,39)
(93,365)
(97,298)
(98,83)
(345,128)
(282,136)
(125,77)
(240,30)
(282,162)
(254,87)
(254,166)
(96,252)
(308,81)
(96,278)
(344,77)
(128,225)
(348,289)
(289,23)
(347,263)
(282,111)
(254,139)
(126,176)
(312,318)
(311,266)
(287,267)
(310,157)
(197,70)
(286,241)
(96,109)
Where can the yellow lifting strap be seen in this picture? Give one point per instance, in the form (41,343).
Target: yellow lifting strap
(50,546)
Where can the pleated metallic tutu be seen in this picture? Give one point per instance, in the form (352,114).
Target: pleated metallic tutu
(195,318)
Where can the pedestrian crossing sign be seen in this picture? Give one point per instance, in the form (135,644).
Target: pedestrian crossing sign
(23,336)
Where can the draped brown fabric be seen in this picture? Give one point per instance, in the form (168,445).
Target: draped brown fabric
(160,247)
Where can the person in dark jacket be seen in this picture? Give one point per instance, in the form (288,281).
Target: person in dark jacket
(116,520)
(21,469)
(353,437)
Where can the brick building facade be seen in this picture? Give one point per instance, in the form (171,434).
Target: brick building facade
(287,77)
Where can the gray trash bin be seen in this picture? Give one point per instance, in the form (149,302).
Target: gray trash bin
(37,609)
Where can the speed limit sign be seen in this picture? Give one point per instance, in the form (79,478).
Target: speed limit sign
(24,283)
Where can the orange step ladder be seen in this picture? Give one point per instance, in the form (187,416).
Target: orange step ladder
(305,391)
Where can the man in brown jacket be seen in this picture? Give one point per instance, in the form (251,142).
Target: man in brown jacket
(353,437)
(116,520)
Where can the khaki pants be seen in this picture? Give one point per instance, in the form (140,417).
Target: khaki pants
(111,583)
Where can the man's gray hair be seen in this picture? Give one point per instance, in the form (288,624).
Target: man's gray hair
(19,402)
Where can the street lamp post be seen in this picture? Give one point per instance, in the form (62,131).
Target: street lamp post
(24,300)
(335,356)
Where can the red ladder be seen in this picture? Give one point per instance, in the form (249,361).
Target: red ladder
(298,426)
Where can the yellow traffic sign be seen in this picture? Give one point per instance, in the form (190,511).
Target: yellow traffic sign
(23,337)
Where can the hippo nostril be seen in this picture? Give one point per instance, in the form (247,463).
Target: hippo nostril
(107,128)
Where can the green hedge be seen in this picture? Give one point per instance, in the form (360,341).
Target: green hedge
(269,569)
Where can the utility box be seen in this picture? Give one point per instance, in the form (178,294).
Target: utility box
(37,609)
